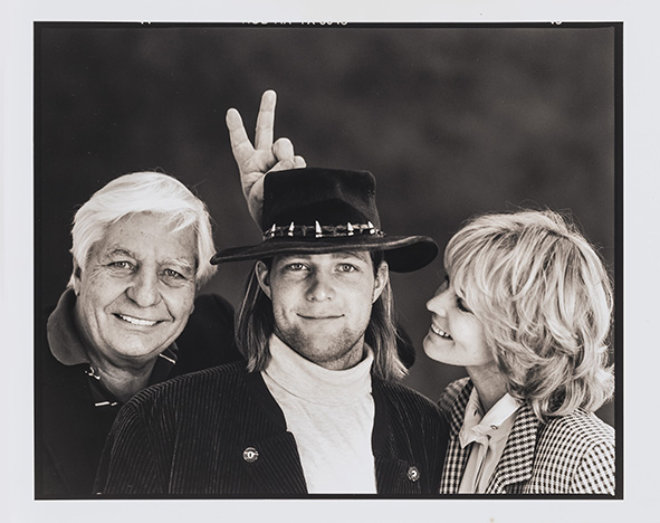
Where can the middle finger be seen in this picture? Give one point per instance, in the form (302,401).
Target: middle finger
(263,136)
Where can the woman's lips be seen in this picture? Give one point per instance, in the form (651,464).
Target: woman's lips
(440,332)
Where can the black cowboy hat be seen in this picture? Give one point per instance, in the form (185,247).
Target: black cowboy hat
(317,211)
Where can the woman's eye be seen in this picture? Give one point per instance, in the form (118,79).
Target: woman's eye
(461,305)
(295,267)
(347,267)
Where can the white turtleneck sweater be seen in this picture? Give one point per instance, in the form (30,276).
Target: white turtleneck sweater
(331,415)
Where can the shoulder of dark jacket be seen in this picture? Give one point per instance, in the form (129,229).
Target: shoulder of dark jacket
(208,339)
(213,380)
(451,392)
(217,303)
(404,396)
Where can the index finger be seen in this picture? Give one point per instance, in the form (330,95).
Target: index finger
(240,143)
(263,136)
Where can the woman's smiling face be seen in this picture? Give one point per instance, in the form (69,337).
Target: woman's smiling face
(456,336)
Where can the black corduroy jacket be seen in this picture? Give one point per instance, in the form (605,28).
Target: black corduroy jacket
(220,433)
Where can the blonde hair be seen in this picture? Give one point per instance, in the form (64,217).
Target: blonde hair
(143,192)
(545,301)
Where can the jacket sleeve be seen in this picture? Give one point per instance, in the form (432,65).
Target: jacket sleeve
(595,473)
(133,460)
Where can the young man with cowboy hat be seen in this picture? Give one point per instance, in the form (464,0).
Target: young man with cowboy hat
(317,409)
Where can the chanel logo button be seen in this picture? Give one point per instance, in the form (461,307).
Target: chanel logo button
(413,474)
(250,454)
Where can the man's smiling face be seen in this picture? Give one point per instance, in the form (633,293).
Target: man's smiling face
(322,303)
(137,289)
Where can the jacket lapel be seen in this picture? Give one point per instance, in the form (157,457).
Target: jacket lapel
(392,463)
(278,468)
(515,465)
(456,457)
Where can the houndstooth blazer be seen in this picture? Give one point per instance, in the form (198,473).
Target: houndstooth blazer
(571,454)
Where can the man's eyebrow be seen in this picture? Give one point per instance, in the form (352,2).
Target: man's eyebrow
(361,254)
(297,256)
(183,263)
(119,251)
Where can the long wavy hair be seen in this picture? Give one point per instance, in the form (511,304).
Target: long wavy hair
(544,299)
(255,324)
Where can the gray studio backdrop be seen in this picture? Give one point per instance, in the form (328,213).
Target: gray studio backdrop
(452,121)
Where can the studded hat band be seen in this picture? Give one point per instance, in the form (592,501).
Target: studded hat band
(321,231)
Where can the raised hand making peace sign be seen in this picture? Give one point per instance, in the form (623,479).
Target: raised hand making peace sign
(254,161)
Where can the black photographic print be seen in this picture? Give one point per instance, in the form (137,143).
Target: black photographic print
(454,120)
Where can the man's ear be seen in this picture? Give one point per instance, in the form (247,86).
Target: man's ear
(262,272)
(76,277)
(382,277)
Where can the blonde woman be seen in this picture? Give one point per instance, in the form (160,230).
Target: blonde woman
(526,309)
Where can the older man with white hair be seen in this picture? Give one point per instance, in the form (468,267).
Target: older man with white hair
(141,251)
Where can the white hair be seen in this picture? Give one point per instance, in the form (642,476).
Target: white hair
(143,192)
